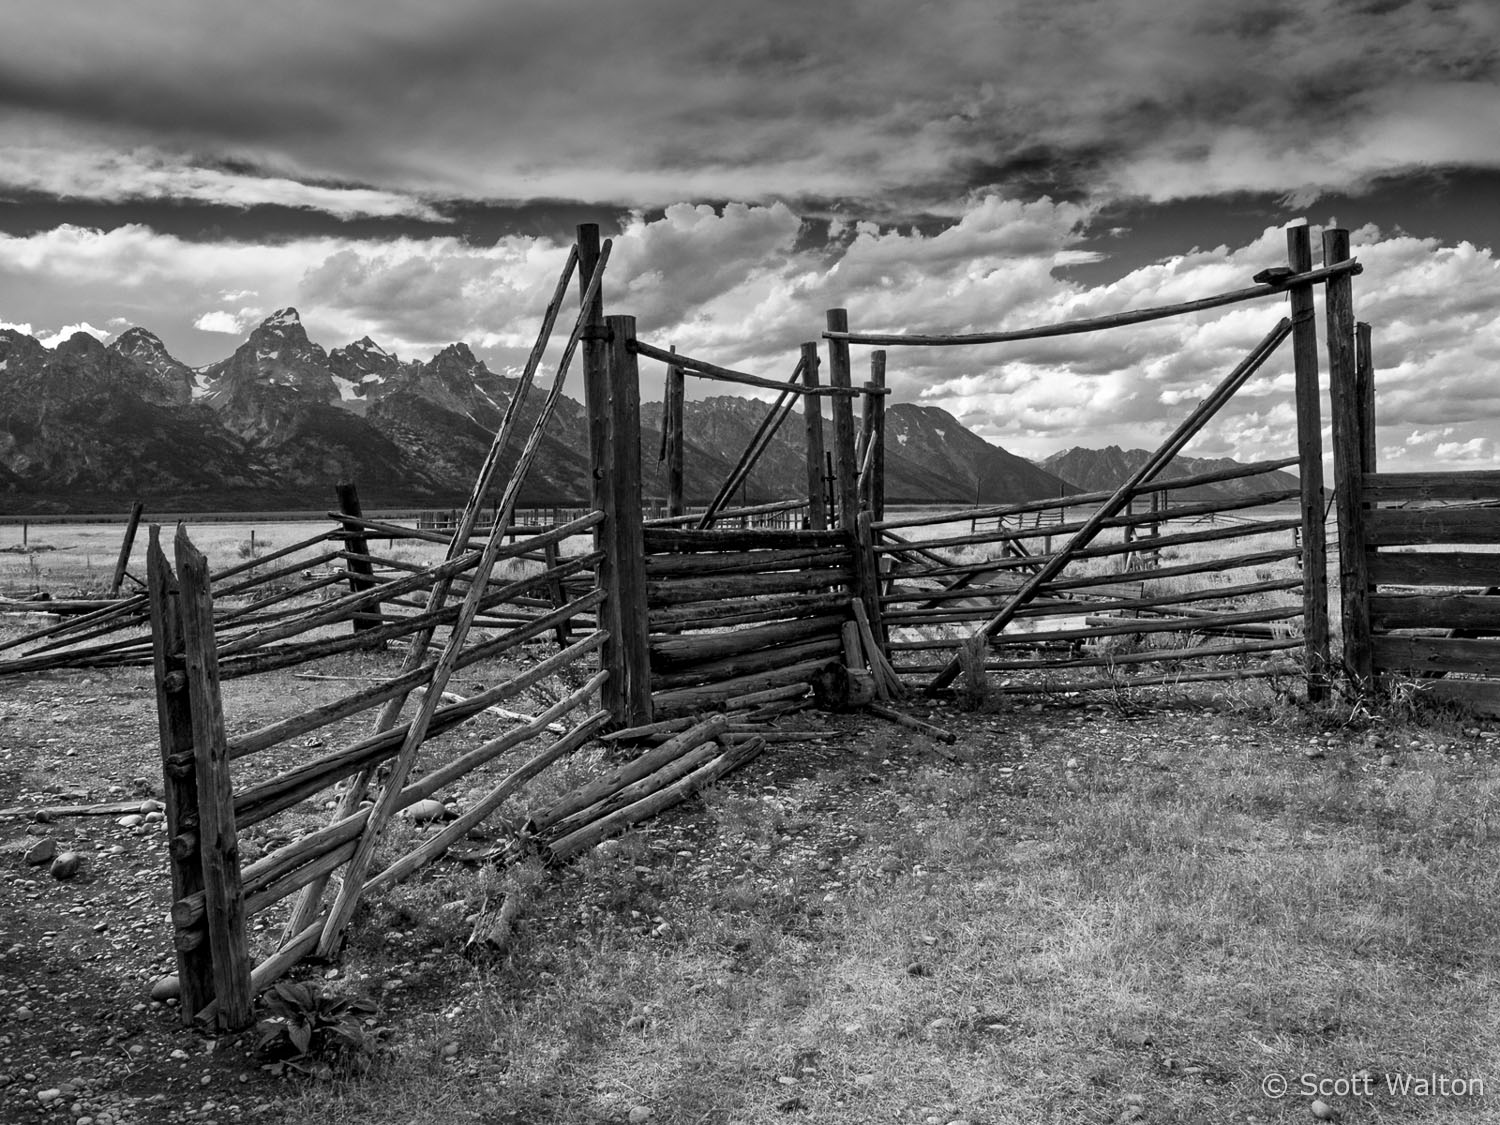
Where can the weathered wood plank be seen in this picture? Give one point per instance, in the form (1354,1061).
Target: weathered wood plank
(1397,527)
(1307,396)
(1437,654)
(699,564)
(1441,611)
(1435,568)
(686,700)
(179,772)
(218,841)
(662,539)
(1481,697)
(1480,485)
(667,652)
(683,590)
(748,663)
(747,612)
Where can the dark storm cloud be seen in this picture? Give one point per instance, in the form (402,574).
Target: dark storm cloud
(884,103)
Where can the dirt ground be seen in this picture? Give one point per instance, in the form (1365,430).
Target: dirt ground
(82,1042)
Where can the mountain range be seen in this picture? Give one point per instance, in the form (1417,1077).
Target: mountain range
(89,427)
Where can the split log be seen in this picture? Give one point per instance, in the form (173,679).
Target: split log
(678,767)
(659,540)
(672,592)
(699,564)
(671,703)
(912,723)
(748,663)
(631,772)
(668,652)
(679,790)
(729,612)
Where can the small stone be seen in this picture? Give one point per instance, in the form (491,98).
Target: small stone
(1073,764)
(166,988)
(65,866)
(47,1097)
(788,1080)
(450,1049)
(134,820)
(635,1023)
(942,1023)
(1313,753)
(1321,1110)
(864,1081)
(916,969)
(1387,760)
(424,811)
(639,1113)
(41,851)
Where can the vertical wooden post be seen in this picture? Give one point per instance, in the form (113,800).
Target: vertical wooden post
(876,404)
(179,777)
(626,516)
(674,439)
(830,493)
(812,417)
(851,518)
(1348,460)
(217,838)
(595,356)
(844,459)
(1315,643)
(361,573)
(1364,361)
(556,592)
(126,546)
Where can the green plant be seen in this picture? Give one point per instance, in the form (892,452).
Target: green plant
(315,1033)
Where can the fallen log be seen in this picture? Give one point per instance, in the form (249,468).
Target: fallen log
(679,790)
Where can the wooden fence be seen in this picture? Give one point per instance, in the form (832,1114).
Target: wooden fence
(664,624)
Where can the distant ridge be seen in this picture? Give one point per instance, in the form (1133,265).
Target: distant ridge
(87,428)
(1094,470)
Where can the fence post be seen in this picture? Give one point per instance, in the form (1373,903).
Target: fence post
(1315,643)
(1364,366)
(595,354)
(875,406)
(812,417)
(1348,465)
(866,587)
(126,545)
(626,516)
(361,573)
(217,839)
(179,777)
(674,439)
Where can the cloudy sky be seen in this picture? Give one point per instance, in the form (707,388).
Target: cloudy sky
(413,170)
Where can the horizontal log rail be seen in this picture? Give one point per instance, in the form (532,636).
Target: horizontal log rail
(728,513)
(286,656)
(313,718)
(725,614)
(1479,657)
(748,663)
(1127,628)
(1433,568)
(1100,323)
(1150,656)
(268,798)
(1079,499)
(691,648)
(1134,520)
(679,591)
(1117,683)
(1483,484)
(1396,527)
(1446,611)
(743,562)
(272,871)
(1068,607)
(706,370)
(664,539)
(534,536)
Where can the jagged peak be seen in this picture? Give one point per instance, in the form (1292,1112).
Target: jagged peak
(365,344)
(458,352)
(79,344)
(282,318)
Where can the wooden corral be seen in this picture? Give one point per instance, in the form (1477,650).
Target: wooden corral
(685,633)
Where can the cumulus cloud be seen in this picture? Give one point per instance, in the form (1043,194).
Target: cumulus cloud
(745,285)
(219,320)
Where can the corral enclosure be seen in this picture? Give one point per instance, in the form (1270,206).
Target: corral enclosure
(656,653)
